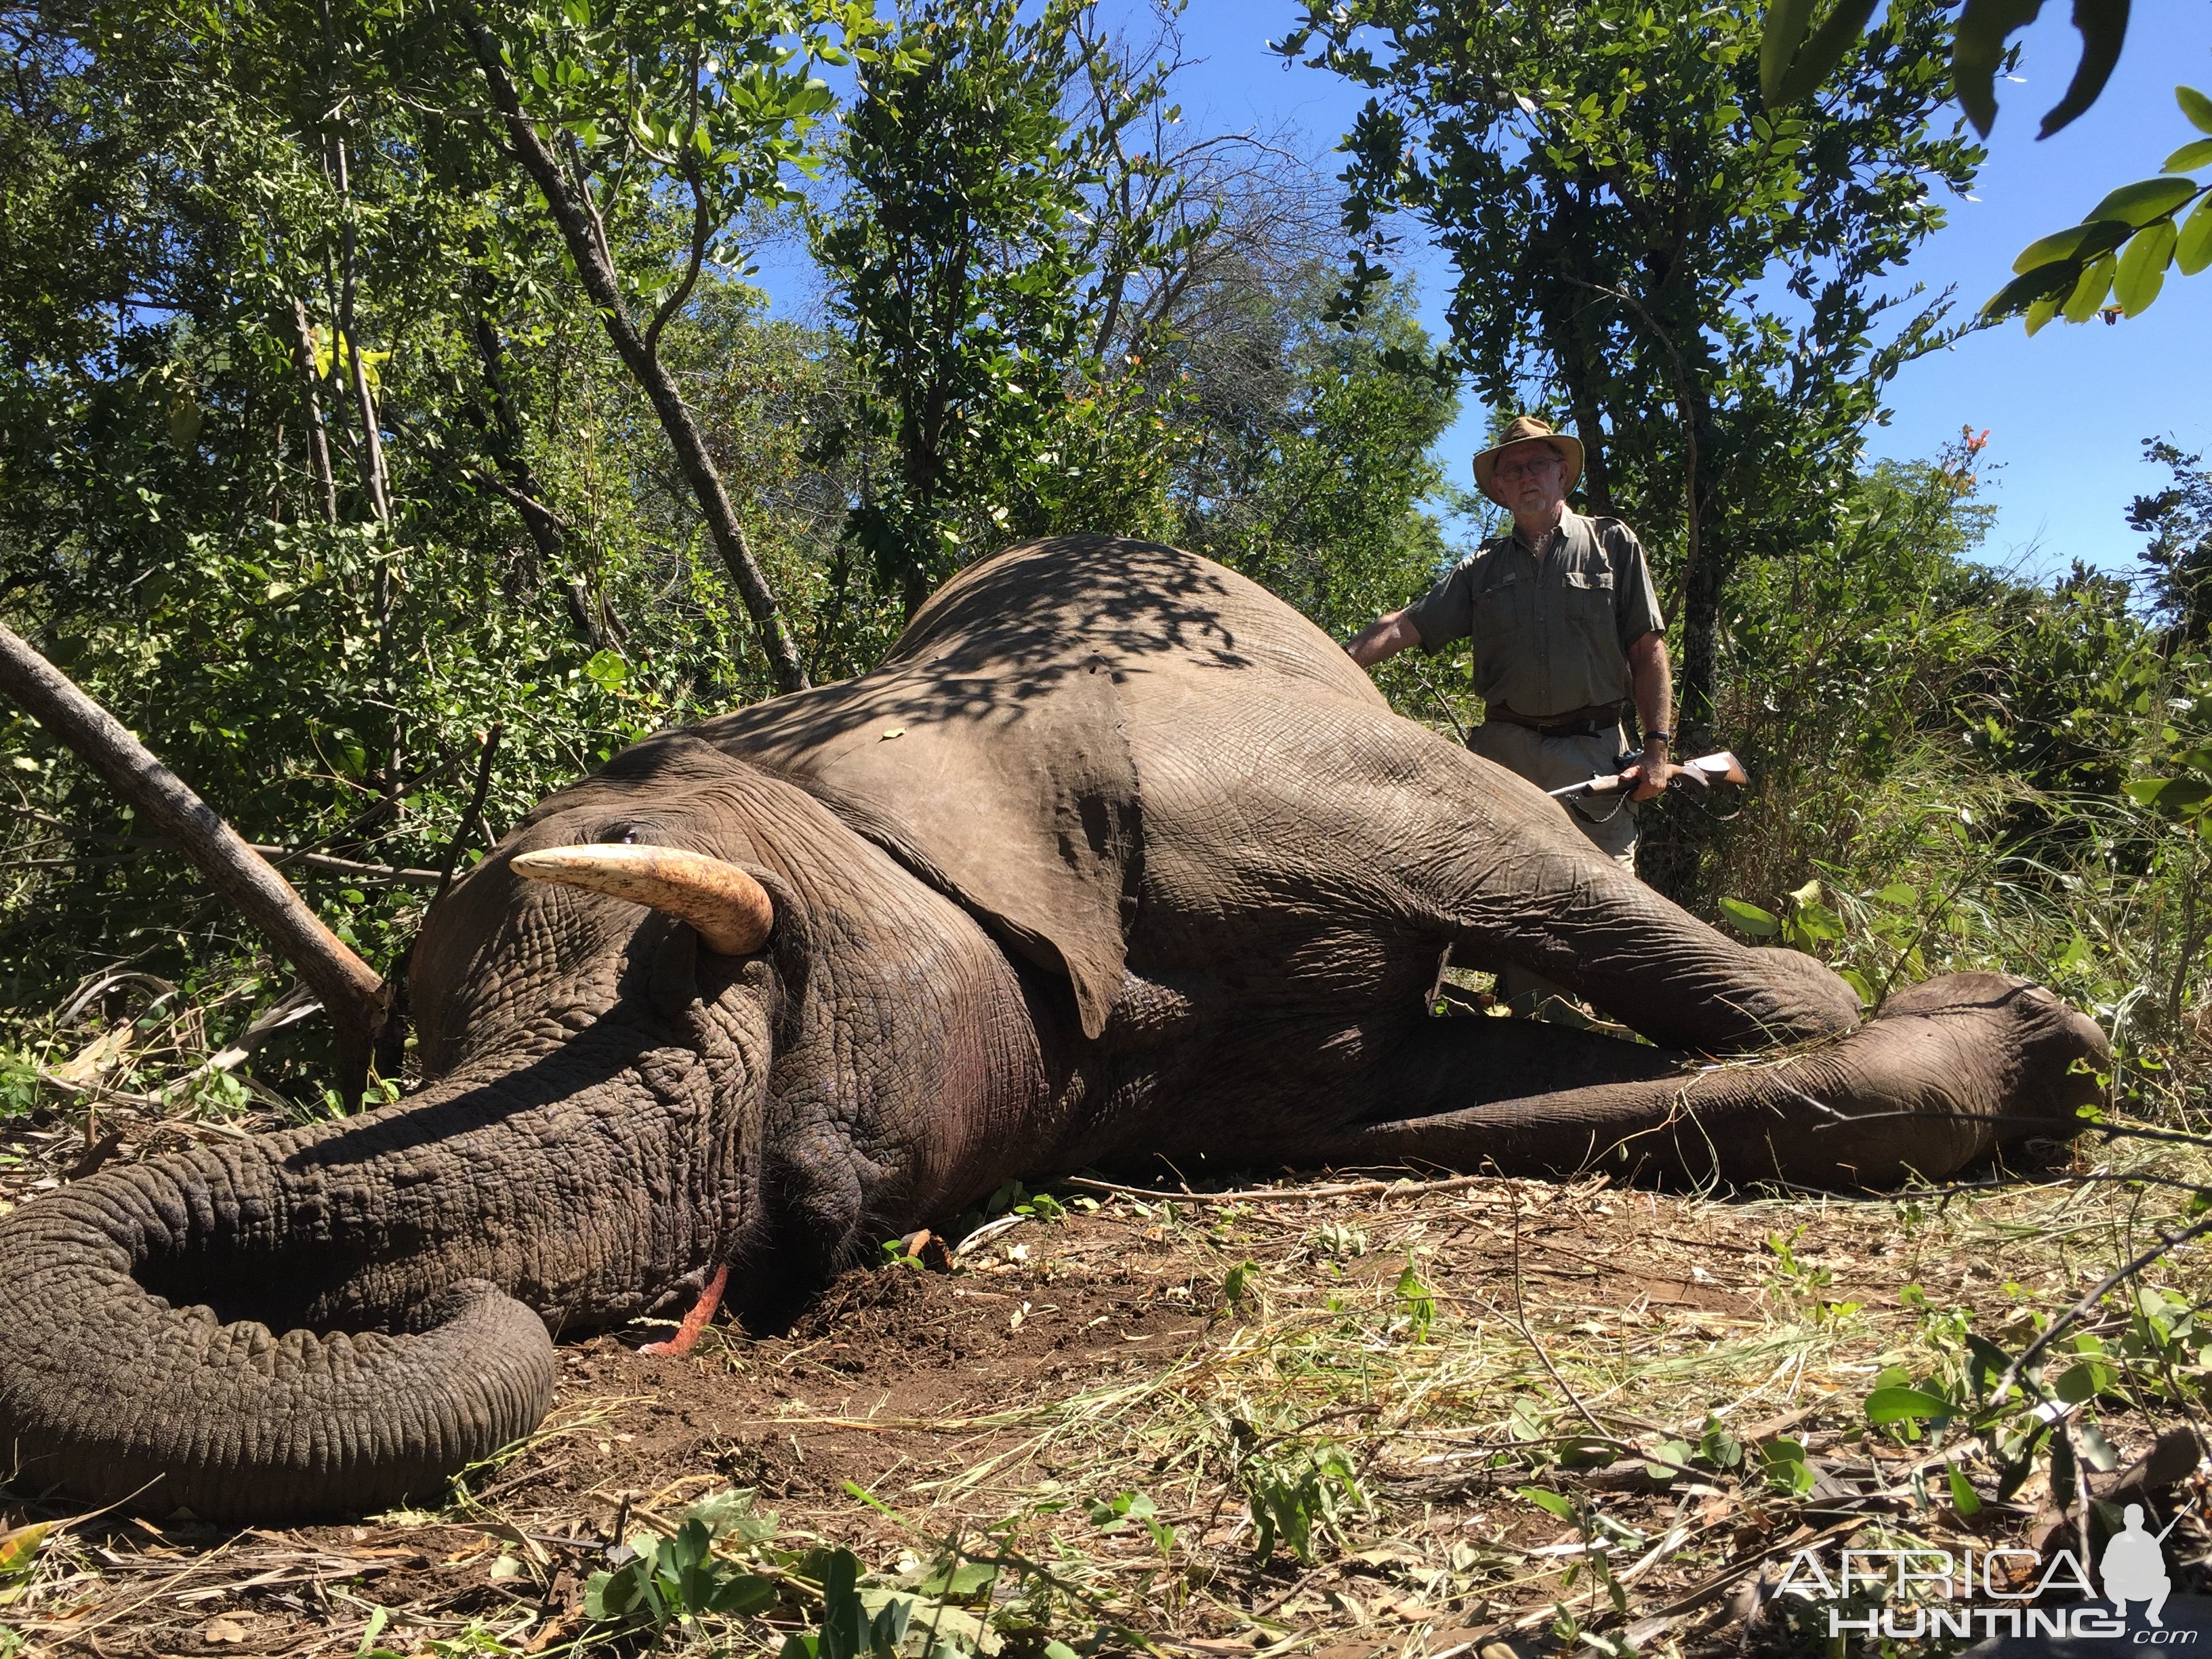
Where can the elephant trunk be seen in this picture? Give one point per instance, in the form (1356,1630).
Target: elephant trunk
(120,1384)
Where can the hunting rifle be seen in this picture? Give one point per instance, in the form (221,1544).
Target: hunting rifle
(1706,771)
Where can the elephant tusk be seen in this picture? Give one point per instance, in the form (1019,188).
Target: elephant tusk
(731,911)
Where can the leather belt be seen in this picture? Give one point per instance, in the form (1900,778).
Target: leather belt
(1590,722)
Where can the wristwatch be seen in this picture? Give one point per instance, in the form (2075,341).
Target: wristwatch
(1667,737)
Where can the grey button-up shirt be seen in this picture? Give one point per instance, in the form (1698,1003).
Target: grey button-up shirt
(1551,626)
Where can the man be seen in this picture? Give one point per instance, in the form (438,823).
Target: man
(1567,634)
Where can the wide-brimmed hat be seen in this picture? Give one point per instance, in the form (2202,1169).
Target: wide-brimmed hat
(1527,428)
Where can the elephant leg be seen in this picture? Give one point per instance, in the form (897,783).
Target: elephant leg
(1946,1074)
(1500,870)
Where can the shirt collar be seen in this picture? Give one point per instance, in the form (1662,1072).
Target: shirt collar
(1567,518)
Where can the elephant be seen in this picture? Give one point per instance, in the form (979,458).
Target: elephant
(1116,856)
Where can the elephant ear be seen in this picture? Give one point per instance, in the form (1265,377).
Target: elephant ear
(1016,796)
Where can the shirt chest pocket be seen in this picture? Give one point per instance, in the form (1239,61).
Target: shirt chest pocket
(1500,608)
(1585,599)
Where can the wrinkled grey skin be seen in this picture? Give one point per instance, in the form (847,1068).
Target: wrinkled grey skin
(1116,856)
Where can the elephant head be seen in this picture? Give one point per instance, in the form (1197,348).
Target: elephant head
(613,1005)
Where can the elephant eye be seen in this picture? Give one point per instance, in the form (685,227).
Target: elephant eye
(622,834)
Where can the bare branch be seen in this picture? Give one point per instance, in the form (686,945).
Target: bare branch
(353,992)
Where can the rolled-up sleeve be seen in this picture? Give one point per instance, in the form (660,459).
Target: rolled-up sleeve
(1445,613)
(1636,602)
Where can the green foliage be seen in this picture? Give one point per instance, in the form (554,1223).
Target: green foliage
(19,1082)
(1339,1240)
(961,256)
(848,1630)
(1117,1514)
(1717,1447)
(653,96)
(2177,565)
(1791,65)
(1416,1303)
(1898,1404)
(1938,753)
(1551,1503)
(1237,1283)
(678,1579)
(19,1549)
(2123,246)
(1296,1491)
(653,1584)
(323,667)
(1044,1207)
(2038,1408)
(1783,1463)
(1322,489)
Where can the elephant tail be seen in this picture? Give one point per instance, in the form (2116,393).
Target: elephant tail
(121,1383)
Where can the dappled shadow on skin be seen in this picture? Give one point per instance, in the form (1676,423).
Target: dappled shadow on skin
(1136,599)
(1009,632)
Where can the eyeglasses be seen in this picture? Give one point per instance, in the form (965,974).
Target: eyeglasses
(1513,470)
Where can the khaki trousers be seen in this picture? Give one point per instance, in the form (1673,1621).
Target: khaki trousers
(1609,824)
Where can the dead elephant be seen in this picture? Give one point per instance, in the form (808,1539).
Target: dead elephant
(1115,855)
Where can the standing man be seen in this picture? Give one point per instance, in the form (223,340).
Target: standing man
(1567,635)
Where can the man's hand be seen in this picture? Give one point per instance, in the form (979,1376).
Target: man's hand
(1383,638)
(1651,774)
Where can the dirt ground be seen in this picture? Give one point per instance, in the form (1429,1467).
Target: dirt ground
(1459,1385)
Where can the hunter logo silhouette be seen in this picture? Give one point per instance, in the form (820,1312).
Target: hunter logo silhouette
(2134,1567)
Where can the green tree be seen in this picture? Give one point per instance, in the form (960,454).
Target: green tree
(1694,283)
(2177,565)
(1319,480)
(609,112)
(963,257)
(315,464)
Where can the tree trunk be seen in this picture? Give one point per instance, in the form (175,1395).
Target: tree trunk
(506,433)
(595,266)
(1575,354)
(1675,840)
(1597,482)
(520,484)
(349,989)
(1703,575)
(319,442)
(349,344)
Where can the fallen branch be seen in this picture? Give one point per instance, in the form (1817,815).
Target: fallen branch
(353,992)
(325,862)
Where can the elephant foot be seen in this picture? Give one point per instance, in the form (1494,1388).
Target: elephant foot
(1946,1074)
(694,1322)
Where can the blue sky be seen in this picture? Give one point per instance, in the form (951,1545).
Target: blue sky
(2066,410)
